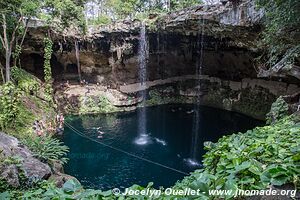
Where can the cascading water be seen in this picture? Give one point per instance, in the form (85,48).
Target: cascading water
(196,122)
(160,75)
(77,59)
(143,137)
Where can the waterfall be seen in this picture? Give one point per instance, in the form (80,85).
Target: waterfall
(143,138)
(77,59)
(158,53)
(197,120)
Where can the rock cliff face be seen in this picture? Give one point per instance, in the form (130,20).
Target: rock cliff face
(109,55)
(22,163)
(20,168)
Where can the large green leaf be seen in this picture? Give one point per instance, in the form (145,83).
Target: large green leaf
(71,186)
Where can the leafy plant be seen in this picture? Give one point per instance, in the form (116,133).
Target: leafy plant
(105,106)
(279,36)
(25,81)
(102,20)
(260,157)
(9,100)
(96,104)
(47,68)
(47,148)
(279,109)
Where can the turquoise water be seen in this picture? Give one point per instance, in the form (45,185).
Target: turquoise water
(169,139)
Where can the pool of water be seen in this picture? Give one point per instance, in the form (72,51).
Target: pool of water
(116,159)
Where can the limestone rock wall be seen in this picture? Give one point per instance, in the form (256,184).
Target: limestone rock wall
(224,36)
(108,54)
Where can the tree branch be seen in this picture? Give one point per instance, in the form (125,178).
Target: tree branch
(2,74)
(4,39)
(24,34)
(14,32)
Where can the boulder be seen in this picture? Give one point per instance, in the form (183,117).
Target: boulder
(22,161)
(60,178)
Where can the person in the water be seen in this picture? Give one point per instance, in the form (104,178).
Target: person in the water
(99,132)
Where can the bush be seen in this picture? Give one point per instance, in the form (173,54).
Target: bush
(25,81)
(9,101)
(102,20)
(47,148)
(279,109)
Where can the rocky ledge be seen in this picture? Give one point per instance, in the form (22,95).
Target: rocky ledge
(23,162)
(18,166)
(252,97)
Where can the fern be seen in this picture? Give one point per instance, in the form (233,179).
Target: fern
(47,148)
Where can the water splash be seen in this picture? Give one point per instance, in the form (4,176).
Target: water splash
(143,138)
(162,142)
(192,162)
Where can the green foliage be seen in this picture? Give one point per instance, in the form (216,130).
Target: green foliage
(25,81)
(102,20)
(21,104)
(47,68)
(9,101)
(133,9)
(253,160)
(68,12)
(105,106)
(13,13)
(98,104)
(282,19)
(122,9)
(47,148)
(158,98)
(278,110)
(180,4)
(72,189)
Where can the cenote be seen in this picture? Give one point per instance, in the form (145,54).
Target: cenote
(169,131)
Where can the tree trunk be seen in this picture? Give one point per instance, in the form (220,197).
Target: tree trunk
(7,64)
(2,74)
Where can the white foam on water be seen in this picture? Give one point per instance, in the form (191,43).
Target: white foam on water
(143,139)
(160,141)
(192,162)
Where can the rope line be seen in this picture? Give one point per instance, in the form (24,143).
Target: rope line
(123,151)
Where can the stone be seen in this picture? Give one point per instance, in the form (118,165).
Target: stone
(60,178)
(10,175)
(31,167)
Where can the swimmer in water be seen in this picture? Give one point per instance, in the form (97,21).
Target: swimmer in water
(190,112)
(100,132)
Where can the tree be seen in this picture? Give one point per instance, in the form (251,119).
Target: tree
(121,8)
(15,15)
(280,38)
(180,4)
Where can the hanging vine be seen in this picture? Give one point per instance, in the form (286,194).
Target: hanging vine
(47,68)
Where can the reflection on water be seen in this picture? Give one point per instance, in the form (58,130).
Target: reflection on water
(169,133)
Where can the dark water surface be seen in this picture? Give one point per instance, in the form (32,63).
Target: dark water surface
(169,129)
